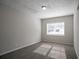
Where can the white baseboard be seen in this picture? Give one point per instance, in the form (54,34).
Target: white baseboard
(58,42)
(18,48)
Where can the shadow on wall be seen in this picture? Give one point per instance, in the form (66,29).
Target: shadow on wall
(54,52)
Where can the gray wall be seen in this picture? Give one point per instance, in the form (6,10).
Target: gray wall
(76,32)
(67,38)
(17,30)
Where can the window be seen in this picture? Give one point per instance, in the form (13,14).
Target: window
(55,28)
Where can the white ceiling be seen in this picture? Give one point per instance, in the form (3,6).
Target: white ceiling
(54,7)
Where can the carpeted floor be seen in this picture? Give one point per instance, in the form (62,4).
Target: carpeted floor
(43,50)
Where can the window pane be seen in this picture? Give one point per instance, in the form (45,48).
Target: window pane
(55,28)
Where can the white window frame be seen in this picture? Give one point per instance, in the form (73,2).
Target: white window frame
(55,28)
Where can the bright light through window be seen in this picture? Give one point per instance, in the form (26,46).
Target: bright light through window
(55,28)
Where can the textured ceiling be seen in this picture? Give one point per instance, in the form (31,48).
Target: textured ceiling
(54,7)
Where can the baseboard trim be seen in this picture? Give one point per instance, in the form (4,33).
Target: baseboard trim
(18,48)
(59,43)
